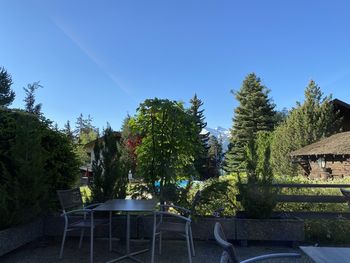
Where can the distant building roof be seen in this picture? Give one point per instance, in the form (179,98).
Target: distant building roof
(337,144)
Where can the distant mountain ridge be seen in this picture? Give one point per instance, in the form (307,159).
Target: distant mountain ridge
(221,134)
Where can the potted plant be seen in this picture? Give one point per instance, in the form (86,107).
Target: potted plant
(258,198)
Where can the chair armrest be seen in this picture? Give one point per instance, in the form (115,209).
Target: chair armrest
(173,215)
(77,211)
(177,207)
(92,205)
(274,255)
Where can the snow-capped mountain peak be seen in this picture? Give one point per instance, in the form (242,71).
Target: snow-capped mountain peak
(221,133)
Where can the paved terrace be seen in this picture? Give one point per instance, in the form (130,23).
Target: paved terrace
(47,250)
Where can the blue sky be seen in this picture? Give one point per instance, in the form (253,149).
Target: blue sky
(105,57)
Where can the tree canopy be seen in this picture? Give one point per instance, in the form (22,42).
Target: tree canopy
(166,150)
(310,121)
(7,95)
(254,113)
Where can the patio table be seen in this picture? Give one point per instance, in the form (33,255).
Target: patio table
(327,254)
(127,206)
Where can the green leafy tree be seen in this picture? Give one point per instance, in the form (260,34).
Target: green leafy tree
(166,152)
(254,113)
(7,95)
(201,140)
(258,197)
(109,180)
(309,122)
(29,99)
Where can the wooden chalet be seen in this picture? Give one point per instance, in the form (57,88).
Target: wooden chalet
(329,157)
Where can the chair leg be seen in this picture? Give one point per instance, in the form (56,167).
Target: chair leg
(160,243)
(154,238)
(188,245)
(192,244)
(92,238)
(81,237)
(63,241)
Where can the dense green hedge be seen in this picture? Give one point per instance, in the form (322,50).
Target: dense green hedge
(35,160)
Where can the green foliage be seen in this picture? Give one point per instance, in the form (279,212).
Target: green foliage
(217,194)
(110,179)
(215,157)
(35,160)
(29,99)
(258,197)
(83,134)
(7,95)
(307,123)
(201,139)
(129,141)
(319,231)
(166,152)
(254,113)
(61,166)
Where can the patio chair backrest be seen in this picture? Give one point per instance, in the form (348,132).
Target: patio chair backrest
(70,199)
(346,194)
(229,254)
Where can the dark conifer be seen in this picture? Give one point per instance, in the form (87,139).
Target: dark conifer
(29,99)
(201,155)
(6,94)
(254,113)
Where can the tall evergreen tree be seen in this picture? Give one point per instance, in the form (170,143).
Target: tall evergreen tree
(29,99)
(215,157)
(201,154)
(307,123)
(84,133)
(254,113)
(6,94)
(67,130)
(109,180)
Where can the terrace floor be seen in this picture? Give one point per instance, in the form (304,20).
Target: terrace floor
(47,250)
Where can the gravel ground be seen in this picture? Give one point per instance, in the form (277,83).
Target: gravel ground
(47,250)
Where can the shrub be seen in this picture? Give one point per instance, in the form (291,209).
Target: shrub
(35,160)
(258,197)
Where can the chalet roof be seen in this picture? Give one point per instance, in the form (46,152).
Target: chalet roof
(337,144)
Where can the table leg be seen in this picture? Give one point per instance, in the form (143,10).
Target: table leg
(110,231)
(127,233)
(92,238)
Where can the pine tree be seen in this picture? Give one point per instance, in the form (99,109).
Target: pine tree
(67,130)
(84,133)
(201,154)
(109,179)
(254,113)
(6,94)
(29,100)
(215,157)
(307,123)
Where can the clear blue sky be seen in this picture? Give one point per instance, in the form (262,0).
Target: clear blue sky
(105,57)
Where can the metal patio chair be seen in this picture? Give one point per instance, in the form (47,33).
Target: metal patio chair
(229,254)
(346,194)
(175,223)
(77,216)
